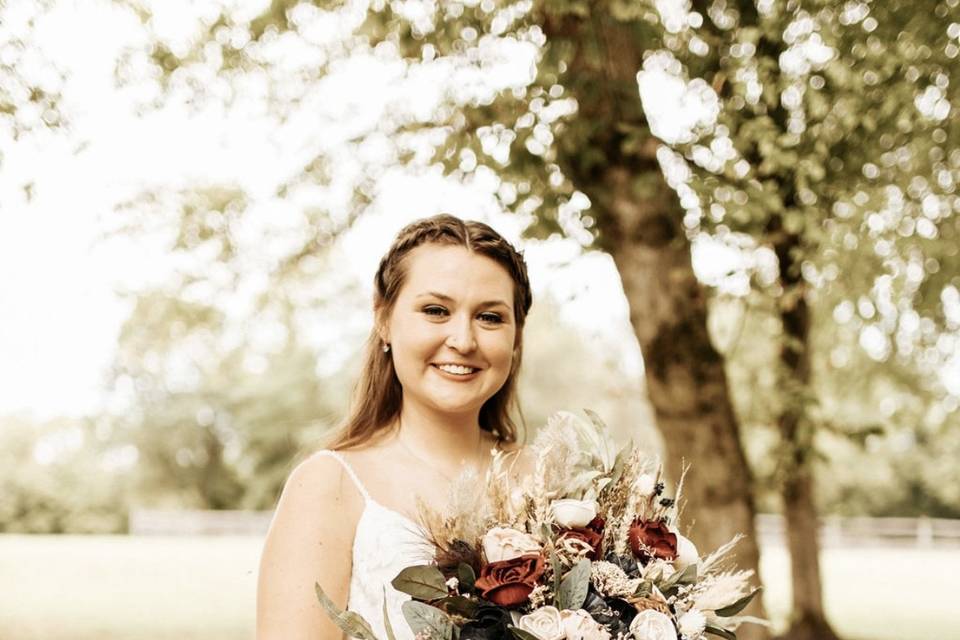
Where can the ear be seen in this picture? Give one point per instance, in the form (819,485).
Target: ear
(380,324)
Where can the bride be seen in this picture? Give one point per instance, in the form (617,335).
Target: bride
(438,382)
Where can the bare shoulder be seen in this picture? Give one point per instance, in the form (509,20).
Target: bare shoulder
(315,489)
(309,542)
(320,475)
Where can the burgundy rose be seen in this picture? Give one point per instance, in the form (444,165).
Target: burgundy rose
(508,583)
(652,539)
(592,535)
(596,524)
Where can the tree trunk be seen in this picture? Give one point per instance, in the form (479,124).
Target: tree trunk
(611,156)
(808,620)
(685,376)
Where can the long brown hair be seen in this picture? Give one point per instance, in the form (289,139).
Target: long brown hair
(378,396)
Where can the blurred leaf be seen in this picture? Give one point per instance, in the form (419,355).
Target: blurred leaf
(349,622)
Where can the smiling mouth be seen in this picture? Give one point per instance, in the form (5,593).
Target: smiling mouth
(456,369)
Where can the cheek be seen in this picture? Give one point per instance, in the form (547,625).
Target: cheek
(500,350)
(410,336)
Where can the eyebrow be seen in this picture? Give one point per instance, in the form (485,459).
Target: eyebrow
(446,298)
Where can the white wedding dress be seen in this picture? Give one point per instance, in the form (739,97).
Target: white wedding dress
(385,543)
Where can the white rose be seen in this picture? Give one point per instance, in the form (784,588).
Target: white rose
(645,484)
(687,553)
(503,543)
(574,513)
(545,623)
(692,624)
(652,625)
(578,625)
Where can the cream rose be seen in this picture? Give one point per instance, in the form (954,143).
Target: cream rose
(687,553)
(573,513)
(545,623)
(652,625)
(578,625)
(692,624)
(503,543)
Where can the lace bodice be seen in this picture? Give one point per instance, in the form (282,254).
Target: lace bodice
(384,543)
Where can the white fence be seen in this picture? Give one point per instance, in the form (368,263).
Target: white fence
(844,532)
(834,531)
(196,522)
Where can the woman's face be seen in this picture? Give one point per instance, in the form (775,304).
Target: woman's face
(452,330)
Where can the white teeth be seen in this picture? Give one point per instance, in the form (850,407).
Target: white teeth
(455,369)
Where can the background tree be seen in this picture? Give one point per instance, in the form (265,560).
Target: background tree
(61,476)
(29,84)
(822,126)
(224,394)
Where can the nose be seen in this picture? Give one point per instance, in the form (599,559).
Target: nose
(461,337)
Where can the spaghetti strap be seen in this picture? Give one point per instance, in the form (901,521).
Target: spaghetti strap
(346,466)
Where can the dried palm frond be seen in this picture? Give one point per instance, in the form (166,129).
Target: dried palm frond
(678,494)
(719,590)
(497,489)
(456,527)
(713,561)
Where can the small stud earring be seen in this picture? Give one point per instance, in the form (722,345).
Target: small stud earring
(386,348)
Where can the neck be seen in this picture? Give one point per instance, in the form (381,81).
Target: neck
(451,441)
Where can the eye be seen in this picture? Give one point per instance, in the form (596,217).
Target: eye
(434,310)
(494,318)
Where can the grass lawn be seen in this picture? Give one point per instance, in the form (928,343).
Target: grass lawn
(160,588)
(877,593)
(127,588)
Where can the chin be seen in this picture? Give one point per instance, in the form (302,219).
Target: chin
(457,409)
(454,407)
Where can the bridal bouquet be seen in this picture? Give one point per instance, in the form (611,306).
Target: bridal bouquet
(586,548)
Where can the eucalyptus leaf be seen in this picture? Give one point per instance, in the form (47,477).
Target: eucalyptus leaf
(546,531)
(719,631)
(423,582)
(594,439)
(687,576)
(386,617)
(466,576)
(459,605)
(739,605)
(619,464)
(349,622)
(555,565)
(574,586)
(428,620)
(643,589)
